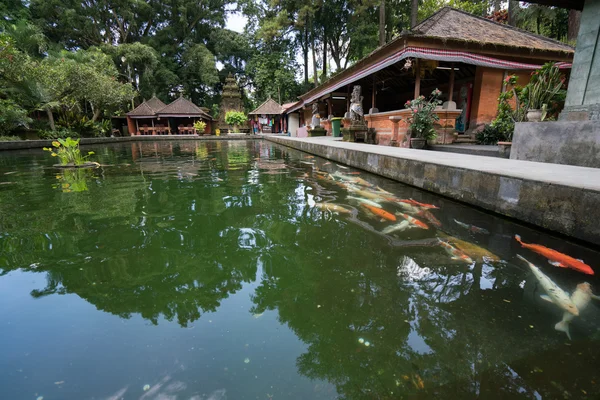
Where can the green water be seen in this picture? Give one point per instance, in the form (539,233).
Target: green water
(205,271)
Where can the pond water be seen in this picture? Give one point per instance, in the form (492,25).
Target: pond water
(221,270)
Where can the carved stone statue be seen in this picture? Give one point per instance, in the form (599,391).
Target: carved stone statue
(316,118)
(356,110)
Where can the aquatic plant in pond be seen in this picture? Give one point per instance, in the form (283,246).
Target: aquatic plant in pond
(68,152)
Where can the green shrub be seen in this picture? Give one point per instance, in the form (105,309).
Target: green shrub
(200,126)
(9,138)
(59,133)
(12,116)
(235,118)
(490,135)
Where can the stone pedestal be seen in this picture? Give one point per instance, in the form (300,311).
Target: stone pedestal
(318,131)
(395,119)
(354,133)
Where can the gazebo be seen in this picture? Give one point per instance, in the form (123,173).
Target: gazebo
(181,115)
(142,119)
(465,56)
(267,117)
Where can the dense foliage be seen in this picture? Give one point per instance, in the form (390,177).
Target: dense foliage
(70,64)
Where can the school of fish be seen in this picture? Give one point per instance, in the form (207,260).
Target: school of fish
(377,203)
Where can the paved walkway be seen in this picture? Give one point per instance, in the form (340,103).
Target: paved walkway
(557,174)
(472,149)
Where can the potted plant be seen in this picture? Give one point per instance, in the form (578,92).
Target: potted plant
(199,126)
(422,119)
(544,85)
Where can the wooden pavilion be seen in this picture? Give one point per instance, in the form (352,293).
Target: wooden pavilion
(266,118)
(153,117)
(465,56)
(181,115)
(142,119)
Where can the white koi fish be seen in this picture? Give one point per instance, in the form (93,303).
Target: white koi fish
(402,226)
(555,294)
(365,201)
(336,208)
(581,297)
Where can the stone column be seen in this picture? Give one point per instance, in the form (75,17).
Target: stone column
(583,94)
(395,119)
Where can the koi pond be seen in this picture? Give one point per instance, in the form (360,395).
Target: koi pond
(246,270)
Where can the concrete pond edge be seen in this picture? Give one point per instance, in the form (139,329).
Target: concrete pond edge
(565,209)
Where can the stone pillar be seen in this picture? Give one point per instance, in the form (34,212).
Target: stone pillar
(583,94)
(131,127)
(394,142)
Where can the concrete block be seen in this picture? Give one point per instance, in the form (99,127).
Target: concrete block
(561,142)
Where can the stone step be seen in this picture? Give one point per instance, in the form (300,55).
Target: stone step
(465,140)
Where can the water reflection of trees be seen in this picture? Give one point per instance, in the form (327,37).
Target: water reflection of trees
(146,238)
(466,331)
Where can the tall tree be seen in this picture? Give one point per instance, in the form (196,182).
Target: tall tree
(574,22)
(414,13)
(382,23)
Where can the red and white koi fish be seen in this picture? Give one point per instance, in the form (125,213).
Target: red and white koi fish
(419,204)
(557,258)
(555,294)
(472,228)
(430,217)
(413,221)
(581,297)
(455,253)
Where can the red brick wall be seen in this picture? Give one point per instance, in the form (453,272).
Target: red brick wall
(486,89)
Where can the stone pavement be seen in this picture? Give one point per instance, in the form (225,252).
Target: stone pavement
(561,198)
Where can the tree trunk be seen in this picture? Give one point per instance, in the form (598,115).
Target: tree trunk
(413,13)
(497,5)
(305,53)
(382,23)
(315,69)
(513,9)
(96,115)
(574,21)
(324,56)
(50,119)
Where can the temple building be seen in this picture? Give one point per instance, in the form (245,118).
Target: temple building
(465,56)
(231,100)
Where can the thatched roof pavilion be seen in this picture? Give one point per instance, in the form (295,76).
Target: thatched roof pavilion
(267,117)
(463,55)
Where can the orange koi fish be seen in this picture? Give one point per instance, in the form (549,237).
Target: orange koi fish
(380,212)
(413,221)
(353,173)
(431,218)
(419,204)
(455,253)
(557,258)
